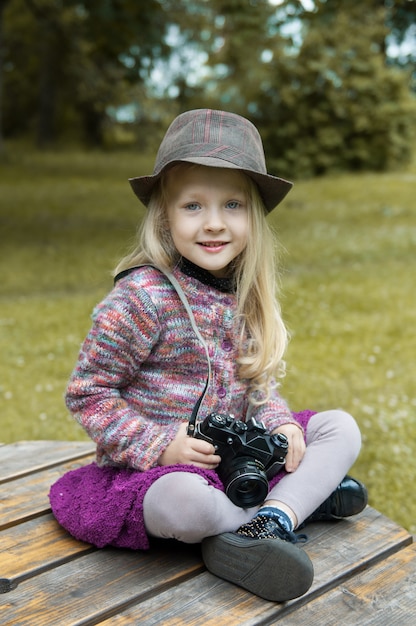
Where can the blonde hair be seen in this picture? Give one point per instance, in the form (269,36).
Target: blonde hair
(263,337)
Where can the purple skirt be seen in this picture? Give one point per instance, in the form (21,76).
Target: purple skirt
(104,505)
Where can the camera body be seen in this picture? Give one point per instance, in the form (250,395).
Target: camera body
(250,456)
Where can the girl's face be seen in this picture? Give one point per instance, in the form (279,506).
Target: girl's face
(208,215)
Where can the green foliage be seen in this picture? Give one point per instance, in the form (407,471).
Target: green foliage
(317,82)
(336,105)
(348,298)
(65,64)
(325,98)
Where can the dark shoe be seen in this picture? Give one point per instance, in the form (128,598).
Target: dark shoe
(261,558)
(265,527)
(349,498)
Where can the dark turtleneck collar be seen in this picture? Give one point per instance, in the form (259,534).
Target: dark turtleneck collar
(194,271)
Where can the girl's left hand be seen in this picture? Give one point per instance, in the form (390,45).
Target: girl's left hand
(297,445)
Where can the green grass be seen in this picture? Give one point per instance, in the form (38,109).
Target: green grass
(348,283)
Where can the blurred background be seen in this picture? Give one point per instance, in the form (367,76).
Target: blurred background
(87,90)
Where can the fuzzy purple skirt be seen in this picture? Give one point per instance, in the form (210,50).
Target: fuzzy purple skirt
(104,505)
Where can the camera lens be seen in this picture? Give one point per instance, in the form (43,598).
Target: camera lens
(246,484)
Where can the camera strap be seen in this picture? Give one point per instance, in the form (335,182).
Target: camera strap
(175,284)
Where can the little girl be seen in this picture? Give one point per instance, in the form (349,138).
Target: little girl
(192,327)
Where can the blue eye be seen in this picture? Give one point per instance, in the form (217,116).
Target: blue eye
(192,206)
(233,204)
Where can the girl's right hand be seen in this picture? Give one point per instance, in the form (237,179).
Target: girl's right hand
(189,451)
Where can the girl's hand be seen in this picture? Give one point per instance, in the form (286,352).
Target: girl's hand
(297,445)
(189,451)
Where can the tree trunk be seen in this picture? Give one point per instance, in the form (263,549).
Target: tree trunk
(47,88)
(92,121)
(2,51)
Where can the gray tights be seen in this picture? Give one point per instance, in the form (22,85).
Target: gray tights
(184,506)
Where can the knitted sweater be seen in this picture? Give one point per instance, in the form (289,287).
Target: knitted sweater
(141,368)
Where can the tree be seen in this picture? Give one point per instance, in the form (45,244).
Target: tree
(322,92)
(70,61)
(401,20)
(317,82)
(242,38)
(2,54)
(334,103)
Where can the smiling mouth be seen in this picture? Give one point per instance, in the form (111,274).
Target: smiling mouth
(212,244)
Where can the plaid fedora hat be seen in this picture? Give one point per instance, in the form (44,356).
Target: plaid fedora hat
(215,139)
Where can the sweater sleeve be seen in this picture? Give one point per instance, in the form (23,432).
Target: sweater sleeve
(275,412)
(125,328)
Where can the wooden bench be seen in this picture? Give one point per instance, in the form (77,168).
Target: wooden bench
(365,568)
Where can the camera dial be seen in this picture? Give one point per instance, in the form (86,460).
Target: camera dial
(279,440)
(239,427)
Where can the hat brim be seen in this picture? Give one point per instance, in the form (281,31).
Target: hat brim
(272,189)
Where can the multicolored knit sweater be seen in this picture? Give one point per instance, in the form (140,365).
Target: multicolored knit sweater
(141,368)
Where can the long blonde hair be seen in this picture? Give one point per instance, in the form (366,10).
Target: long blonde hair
(264,337)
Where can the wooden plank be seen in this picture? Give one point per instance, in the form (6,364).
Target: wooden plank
(201,601)
(97,586)
(35,546)
(64,582)
(23,457)
(341,548)
(338,552)
(380,596)
(27,497)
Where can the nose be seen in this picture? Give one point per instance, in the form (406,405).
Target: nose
(214,221)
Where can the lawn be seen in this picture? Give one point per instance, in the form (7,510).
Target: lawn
(348,298)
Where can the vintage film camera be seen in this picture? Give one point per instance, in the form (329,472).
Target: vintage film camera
(249,456)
